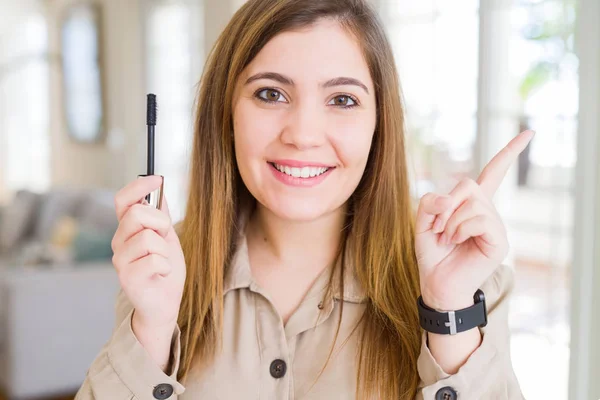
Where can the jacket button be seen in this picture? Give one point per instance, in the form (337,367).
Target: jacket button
(446,393)
(162,391)
(278,368)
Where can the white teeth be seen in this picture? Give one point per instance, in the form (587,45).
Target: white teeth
(304,172)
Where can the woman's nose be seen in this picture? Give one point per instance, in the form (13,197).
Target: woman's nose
(305,127)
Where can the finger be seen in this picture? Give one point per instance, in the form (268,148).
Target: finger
(469,209)
(136,219)
(140,245)
(465,189)
(145,268)
(134,192)
(478,226)
(493,174)
(430,205)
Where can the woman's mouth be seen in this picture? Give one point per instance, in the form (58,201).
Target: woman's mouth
(304,172)
(306,176)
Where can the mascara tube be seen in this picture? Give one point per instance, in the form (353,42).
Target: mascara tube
(153,198)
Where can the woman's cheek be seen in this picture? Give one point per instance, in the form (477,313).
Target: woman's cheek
(262,127)
(253,132)
(352,143)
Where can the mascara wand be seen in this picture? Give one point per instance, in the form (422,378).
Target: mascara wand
(151,123)
(154,198)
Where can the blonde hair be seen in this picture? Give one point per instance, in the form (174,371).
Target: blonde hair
(380,222)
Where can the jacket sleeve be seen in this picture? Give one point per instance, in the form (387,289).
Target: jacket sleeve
(488,372)
(125,371)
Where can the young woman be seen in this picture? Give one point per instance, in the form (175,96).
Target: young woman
(298,267)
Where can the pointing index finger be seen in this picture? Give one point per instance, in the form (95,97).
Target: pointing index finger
(494,172)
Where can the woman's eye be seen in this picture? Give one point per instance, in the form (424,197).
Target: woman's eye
(271,95)
(344,101)
(274,96)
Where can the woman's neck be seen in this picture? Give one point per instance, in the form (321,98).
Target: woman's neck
(296,244)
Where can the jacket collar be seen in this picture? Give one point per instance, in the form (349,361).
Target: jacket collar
(238,274)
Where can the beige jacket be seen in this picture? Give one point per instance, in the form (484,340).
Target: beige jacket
(262,359)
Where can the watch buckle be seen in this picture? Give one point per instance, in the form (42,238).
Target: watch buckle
(451,322)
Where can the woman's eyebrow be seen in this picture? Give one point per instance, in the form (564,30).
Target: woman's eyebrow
(339,81)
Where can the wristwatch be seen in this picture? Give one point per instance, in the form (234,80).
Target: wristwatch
(453,322)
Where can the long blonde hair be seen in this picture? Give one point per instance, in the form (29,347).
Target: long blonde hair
(380,217)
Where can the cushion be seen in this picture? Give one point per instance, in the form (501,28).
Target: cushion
(91,244)
(64,232)
(56,204)
(17,219)
(97,210)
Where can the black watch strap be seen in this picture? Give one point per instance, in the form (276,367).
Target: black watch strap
(453,322)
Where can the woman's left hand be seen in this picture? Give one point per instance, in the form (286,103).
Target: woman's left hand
(460,238)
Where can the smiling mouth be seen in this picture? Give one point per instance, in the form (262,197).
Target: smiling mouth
(304,172)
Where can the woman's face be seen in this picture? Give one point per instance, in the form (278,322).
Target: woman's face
(304,115)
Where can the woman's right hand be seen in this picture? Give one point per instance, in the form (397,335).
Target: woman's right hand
(148,256)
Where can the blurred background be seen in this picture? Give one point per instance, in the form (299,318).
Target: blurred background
(73,79)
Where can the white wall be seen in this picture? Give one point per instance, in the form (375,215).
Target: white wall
(217,15)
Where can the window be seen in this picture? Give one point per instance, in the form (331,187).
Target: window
(24,107)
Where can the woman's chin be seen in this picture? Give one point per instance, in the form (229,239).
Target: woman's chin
(298,211)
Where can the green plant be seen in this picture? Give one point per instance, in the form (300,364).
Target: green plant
(556,35)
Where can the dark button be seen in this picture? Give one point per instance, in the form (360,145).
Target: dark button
(278,368)
(162,391)
(446,393)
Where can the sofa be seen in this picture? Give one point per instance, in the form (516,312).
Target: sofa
(57,289)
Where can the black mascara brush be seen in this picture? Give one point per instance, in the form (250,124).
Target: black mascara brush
(154,198)
(151,124)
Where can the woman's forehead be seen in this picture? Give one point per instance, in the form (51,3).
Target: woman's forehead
(317,53)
